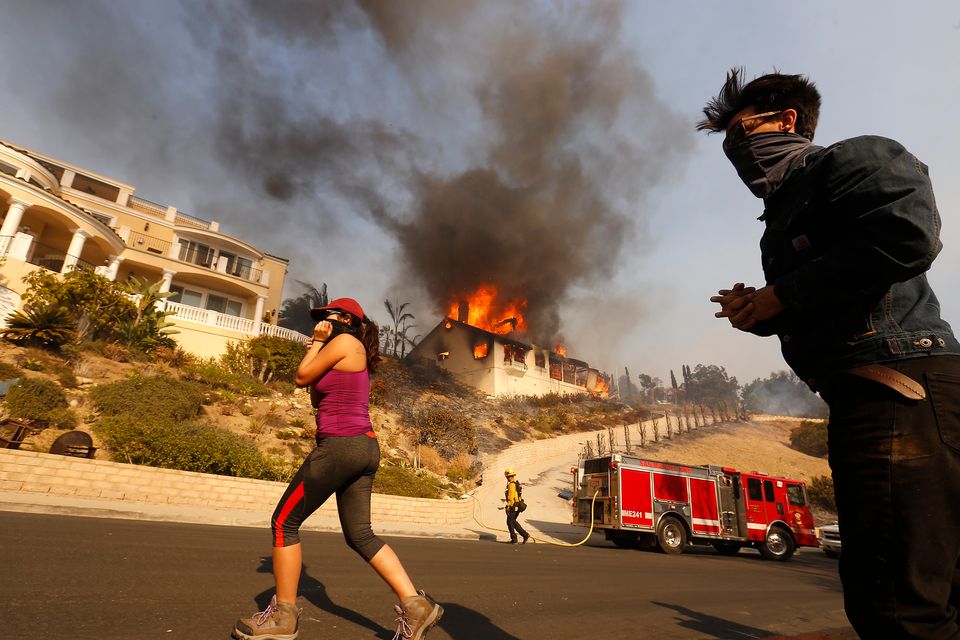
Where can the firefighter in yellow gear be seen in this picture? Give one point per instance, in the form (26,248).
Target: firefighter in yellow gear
(514,499)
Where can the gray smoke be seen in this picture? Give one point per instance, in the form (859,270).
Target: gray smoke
(496,142)
(572,136)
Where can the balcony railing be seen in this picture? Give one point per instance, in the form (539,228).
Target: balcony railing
(52,258)
(145,206)
(143,242)
(233,323)
(192,221)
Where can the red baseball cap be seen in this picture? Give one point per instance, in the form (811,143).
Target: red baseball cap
(349,305)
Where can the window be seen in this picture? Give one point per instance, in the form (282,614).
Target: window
(241,267)
(513,353)
(768,491)
(443,355)
(539,359)
(196,253)
(556,370)
(796,495)
(185,296)
(754,492)
(480,350)
(223,305)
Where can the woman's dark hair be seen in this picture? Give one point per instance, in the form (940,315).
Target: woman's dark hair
(772,92)
(370,337)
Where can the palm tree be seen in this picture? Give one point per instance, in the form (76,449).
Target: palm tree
(45,326)
(295,312)
(398,317)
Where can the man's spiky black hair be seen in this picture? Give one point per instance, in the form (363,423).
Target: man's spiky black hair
(771,92)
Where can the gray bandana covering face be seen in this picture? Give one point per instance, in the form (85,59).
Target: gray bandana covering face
(763,159)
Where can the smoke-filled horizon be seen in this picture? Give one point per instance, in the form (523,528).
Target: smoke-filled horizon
(410,150)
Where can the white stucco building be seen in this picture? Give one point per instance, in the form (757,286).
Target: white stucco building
(58,216)
(501,365)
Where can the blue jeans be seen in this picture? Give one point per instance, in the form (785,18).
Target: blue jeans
(896,473)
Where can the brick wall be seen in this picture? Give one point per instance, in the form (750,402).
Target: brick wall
(28,471)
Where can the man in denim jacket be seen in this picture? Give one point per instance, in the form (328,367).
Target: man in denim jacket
(850,231)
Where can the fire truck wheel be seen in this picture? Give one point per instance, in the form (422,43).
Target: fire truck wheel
(671,535)
(778,545)
(727,548)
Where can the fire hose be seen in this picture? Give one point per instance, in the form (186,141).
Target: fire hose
(479,508)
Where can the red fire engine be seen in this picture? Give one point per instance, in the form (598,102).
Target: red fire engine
(641,501)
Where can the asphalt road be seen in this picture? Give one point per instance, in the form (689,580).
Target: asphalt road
(78,578)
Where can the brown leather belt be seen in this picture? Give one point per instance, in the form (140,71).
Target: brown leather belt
(904,385)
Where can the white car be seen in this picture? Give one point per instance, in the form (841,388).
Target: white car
(830,540)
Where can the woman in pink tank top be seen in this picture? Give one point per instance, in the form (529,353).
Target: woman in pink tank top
(340,358)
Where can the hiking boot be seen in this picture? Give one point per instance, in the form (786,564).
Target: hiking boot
(416,615)
(279,621)
(526,537)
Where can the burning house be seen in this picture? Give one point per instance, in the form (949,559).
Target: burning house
(490,355)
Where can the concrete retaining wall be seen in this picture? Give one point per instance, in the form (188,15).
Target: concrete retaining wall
(32,472)
(28,471)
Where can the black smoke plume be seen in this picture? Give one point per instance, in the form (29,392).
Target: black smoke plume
(571,137)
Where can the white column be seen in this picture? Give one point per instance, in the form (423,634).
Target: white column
(114,267)
(167,280)
(76,247)
(258,313)
(11,223)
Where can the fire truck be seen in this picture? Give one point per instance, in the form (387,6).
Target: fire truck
(640,502)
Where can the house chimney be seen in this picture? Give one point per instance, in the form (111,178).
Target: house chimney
(463,311)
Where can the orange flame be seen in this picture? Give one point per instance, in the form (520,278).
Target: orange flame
(602,390)
(560,350)
(486,312)
(480,351)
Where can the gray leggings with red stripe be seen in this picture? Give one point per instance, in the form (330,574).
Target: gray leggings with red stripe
(344,465)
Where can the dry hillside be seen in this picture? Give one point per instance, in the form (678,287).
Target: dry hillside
(407,402)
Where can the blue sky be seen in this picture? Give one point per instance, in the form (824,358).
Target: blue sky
(184,101)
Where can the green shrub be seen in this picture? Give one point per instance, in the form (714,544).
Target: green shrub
(31,364)
(211,373)
(265,358)
(283,387)
(63,419)
(556,419)
(174,356)
(187,446)
(66,376)
(9,371)
(821,493)
(44,326)
(161,397)
(404,481)
(34,399)
(449,432)
(810,438)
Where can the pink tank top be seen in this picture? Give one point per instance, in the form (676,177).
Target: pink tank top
(343,408)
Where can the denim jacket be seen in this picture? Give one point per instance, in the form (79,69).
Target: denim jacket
(849,236)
